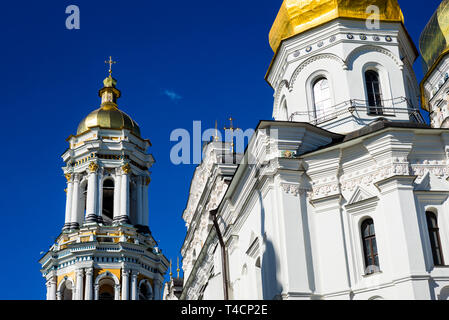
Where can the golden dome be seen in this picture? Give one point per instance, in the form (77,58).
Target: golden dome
(297,16)
(434,40)
(108,116)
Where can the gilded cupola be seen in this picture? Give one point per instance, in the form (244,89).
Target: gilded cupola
(297,16)
(108,116)
(434,40)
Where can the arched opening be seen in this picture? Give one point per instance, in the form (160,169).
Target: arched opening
(133,202)
(84,198)
(435,240)
(145,291)
(106,292)
(374,93)
(82,202)
(370,247)
(67,291)
(108,202)
(321,98)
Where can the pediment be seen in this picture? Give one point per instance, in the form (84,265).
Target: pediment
(431,182)
(359,195)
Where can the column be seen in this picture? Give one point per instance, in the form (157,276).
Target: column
(88,294)
(125,284)
(157,289)
(401,225)
(96,292)
(117,292)
(68,204)
(139,201)
(52,295)
(92,194)
(124,199)
(145,208)
(75,199)
(99,203)
(79,284)
(48,285)
(134,295)
(117,194)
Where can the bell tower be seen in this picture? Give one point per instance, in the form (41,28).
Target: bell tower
(106,250)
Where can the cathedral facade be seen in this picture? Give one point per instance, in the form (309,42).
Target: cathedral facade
(345,194)
(106,250)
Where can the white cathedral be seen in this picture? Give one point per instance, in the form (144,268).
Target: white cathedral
(345,194)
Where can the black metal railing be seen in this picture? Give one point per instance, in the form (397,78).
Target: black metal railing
(360,108)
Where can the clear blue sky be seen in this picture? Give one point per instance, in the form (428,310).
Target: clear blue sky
(211,55)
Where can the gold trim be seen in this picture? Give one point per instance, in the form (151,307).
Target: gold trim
(93,167)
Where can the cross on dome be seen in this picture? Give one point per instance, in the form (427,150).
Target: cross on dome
(110,62)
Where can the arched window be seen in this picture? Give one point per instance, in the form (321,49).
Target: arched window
(321,98)
(374,92)
(435,241)
(370,247)
(84,198)
(108,201)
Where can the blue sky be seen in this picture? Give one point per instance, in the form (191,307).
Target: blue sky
(178,62)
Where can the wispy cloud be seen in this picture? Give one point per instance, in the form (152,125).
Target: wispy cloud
(173,96)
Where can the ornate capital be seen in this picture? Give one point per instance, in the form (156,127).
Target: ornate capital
(80,272)
(93,167)
(68,176)
(126,168)
(147,181)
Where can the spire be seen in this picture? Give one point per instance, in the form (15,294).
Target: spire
(109,93)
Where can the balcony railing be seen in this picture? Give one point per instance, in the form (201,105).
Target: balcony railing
(361,108)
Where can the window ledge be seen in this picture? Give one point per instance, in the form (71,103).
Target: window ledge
(367,275)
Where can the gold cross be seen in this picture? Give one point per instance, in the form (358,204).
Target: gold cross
(232,129)
(110,62)
(231,126)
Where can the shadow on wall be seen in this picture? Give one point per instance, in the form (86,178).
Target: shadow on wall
(270,264)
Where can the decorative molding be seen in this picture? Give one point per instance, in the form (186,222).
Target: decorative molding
(325,56)
(369,48)
(293,189)
(359,195)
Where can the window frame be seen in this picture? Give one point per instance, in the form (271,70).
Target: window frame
(378,108)
(436,248)
(315,81)
(373,254)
